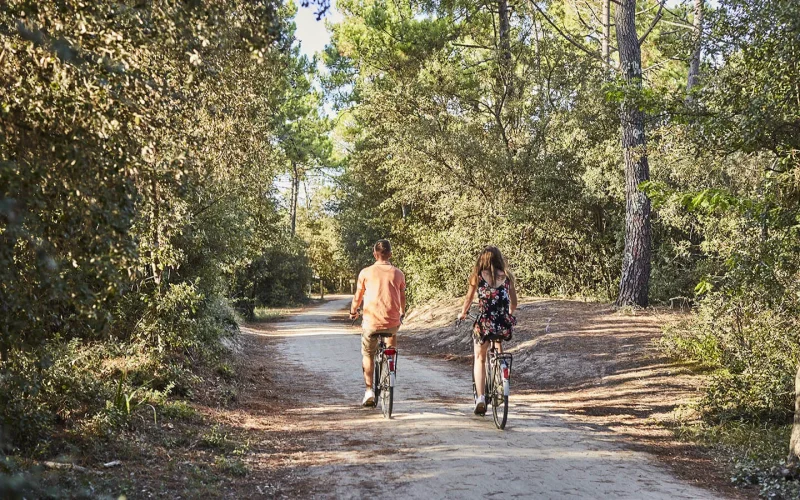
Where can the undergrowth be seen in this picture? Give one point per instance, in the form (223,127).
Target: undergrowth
(755,452)
(750,353)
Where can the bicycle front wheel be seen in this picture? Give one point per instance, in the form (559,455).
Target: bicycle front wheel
(376,379)
(499,399)
(387,390)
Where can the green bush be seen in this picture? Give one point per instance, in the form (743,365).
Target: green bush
(280,276)
(56,384)
(754,345)
(756,452)
(180,410)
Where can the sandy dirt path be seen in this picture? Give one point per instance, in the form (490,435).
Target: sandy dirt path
(434,447)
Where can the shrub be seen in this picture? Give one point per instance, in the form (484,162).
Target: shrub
(753,342)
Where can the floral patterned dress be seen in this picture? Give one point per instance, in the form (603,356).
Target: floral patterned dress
(495,321)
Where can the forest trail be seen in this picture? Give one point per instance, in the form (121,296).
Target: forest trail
(433,446)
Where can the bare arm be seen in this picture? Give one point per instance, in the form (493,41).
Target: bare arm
(512,294)
(357,298)
(403,302)
(468,301)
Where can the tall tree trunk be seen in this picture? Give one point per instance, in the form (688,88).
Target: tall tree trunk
(606,20)
(295,194)
(154,259)
(506,69)
(634,284)
(794,442)
(694,64)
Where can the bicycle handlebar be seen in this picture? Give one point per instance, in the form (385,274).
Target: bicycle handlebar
(358,315)
(473,317)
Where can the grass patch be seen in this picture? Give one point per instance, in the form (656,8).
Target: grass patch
(270,314)
(179,410)
(231,466)
(216,439)
(225,370)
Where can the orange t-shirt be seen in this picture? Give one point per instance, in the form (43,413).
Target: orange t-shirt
(383,286)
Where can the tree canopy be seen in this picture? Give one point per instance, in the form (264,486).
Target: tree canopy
(167,168)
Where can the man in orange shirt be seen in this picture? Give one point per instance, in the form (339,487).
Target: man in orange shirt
(382,287)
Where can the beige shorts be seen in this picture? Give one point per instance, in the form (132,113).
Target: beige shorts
(369,340)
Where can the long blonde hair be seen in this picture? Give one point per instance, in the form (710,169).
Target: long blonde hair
(492,260)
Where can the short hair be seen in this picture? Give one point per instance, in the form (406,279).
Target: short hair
(383,248)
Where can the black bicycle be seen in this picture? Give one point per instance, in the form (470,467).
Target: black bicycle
(497,381)
(383,373)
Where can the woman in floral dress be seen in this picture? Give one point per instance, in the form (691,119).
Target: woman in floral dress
(497,301)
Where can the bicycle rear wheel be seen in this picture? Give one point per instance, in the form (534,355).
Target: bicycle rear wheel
(387,391)
(474,387)
(499,399)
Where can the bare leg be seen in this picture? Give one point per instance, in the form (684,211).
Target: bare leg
(368,365)
(479,368)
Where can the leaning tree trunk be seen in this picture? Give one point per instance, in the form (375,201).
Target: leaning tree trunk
(635,279)
(794,442)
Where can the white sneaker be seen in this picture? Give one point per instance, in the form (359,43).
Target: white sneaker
(369,398)
(480,405)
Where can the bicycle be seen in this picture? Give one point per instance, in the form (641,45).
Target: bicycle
(383,373)
(498,379)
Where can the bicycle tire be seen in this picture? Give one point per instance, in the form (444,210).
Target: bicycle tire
(499,399)
(376,379)
(474,387)
(387,391)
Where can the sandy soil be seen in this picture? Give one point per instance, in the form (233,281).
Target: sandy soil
(434,446)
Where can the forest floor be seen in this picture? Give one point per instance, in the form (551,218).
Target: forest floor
(591,405)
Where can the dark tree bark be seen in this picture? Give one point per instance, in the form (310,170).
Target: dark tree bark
(155,264)
(634,284)
(794,442)
(694,64)
(606,42)
(295,194)
(506,68)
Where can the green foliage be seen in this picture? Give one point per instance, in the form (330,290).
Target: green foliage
(756,453)
(139,147)
(179,410)
(754,344)
(279,276)
(452,144)
(231,466)
(216,439)
(54,384)
(16,484)
(746,209)
(267,314)
(449,153)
